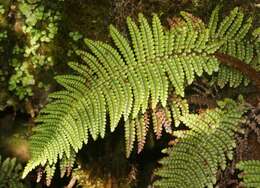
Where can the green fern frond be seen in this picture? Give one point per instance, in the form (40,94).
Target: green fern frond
(129,136)
(256,59)
(122,82)
(194,160)
(10,173)
(179,108)
(142,125)
(250,173)
(234,32)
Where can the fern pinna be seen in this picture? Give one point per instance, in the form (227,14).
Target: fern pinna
(233,31)
(250,173)
(125,80)
(194,160)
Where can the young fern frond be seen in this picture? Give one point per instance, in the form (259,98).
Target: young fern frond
(194,160)
(122,82)
(250,173)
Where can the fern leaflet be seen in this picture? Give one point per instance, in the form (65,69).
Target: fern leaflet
(251,173)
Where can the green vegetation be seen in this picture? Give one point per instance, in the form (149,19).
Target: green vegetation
(200,151)
(172,93)
(10,173)
(29,29)
(251,171)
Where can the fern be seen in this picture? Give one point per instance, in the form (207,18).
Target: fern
(251,173)
(160,117)
(66,164)
(234,32)
(194,160)
(122,82)
(10,173)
